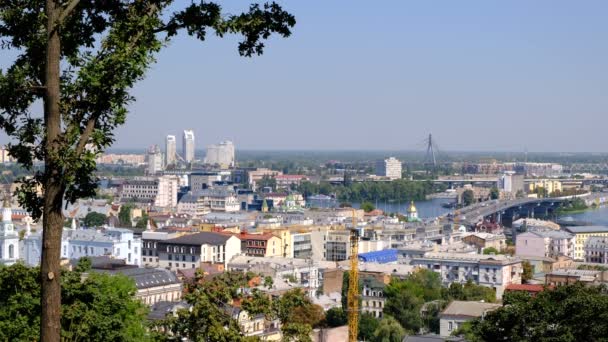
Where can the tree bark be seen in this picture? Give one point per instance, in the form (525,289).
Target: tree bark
(52,222)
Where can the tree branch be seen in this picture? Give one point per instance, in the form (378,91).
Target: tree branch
(84,137)
(66,11)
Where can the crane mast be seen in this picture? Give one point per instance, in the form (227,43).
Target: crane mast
(353,283)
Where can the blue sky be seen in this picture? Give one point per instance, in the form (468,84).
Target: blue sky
(479,75)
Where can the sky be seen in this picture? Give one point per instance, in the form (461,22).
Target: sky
(381,75)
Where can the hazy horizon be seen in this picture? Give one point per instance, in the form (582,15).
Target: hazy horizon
(480,76)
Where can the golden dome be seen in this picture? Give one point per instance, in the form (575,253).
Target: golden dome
(412,208)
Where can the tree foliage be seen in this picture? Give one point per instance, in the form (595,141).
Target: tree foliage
(335,317)
(367,326)
(468,197)
(528,271)
(397,190)
(567,313)
(367,206)
(94,219)
(101,307)
(389,330)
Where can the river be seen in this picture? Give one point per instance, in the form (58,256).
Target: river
(594,216)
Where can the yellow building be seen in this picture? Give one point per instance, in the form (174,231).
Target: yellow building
(581,234)
(549,185)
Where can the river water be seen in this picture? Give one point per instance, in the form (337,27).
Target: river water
(597,217)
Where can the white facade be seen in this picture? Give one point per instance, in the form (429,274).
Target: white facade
(155,160)
(390,168)
(118,243)
(221,154)
(189,251)
(167,191)
(188,146)
(161,191)
(170,149)
(9,239)
(218,200)
(511,182)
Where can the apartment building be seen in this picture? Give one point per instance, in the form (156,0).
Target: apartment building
(160,191)
(188,251)
(596,249)
(581,235)
(494,271)
(545,243)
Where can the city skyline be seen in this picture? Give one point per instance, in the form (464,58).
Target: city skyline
(391,75)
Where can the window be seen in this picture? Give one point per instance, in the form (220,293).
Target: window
(450,326)
(91,250)
(193,258)
(129,244)
(129,257)
(169,264)
(170,257)
(11,251)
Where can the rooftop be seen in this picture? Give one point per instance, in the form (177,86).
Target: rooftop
(469,309)
(587,229)
(198,239)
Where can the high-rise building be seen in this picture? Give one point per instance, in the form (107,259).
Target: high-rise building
(188,146)
(511,182)
(221,154)
(170,149)
(155,160)
(390,168)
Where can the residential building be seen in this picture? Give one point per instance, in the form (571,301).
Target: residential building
(511,182)
(254,176)
(485,240)
(261,245)
(372,296)
(118,243)
(390,168)
(221,154)
(596,249)
(4,156)
(153,285)
(188,146)
(160,191)
(550,185)
(203,180)
(149,248)
(548,243)
(337,245)
(190,250)
(459,312)
(581,234)
(255,325)
(155,160)
(287,181)
(494,271)
(9,239)
(170,150)
(301,245)
(571,276)
(218,199)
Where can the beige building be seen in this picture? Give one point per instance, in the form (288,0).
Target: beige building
(550,185)
(581,234)
(459,312)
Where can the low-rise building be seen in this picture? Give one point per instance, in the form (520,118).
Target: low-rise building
(287,181)
(485,240)
(494,271)
(581,234)
(548,243)
(255,325)
(372,296)
(571,276)
(190,250)
(596,249)
(261,245)
(159,191)
(459,312)
(218,199)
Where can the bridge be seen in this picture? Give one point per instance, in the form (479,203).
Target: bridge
(497,210)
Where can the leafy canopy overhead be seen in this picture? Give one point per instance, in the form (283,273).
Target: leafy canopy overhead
(106,46)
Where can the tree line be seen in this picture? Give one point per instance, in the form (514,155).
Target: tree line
(397,190)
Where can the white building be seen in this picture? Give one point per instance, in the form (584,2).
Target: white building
(459,312)
(390,168)
(221,154)
(190,250)
(511,182)
(170,150)
(118,243)
(217,199)
(161,191)
(155,160)
(495,271)
(188,146)
(9,239)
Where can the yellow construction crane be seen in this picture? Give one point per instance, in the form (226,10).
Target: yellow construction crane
(353,283)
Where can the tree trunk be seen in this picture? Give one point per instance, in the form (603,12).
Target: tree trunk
(50,323)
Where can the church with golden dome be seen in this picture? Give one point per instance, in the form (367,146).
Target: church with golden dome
(412,213)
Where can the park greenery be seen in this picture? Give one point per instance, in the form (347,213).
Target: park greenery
(68,87)
(94,219)
(95,306)
(566,314)
(573,206)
